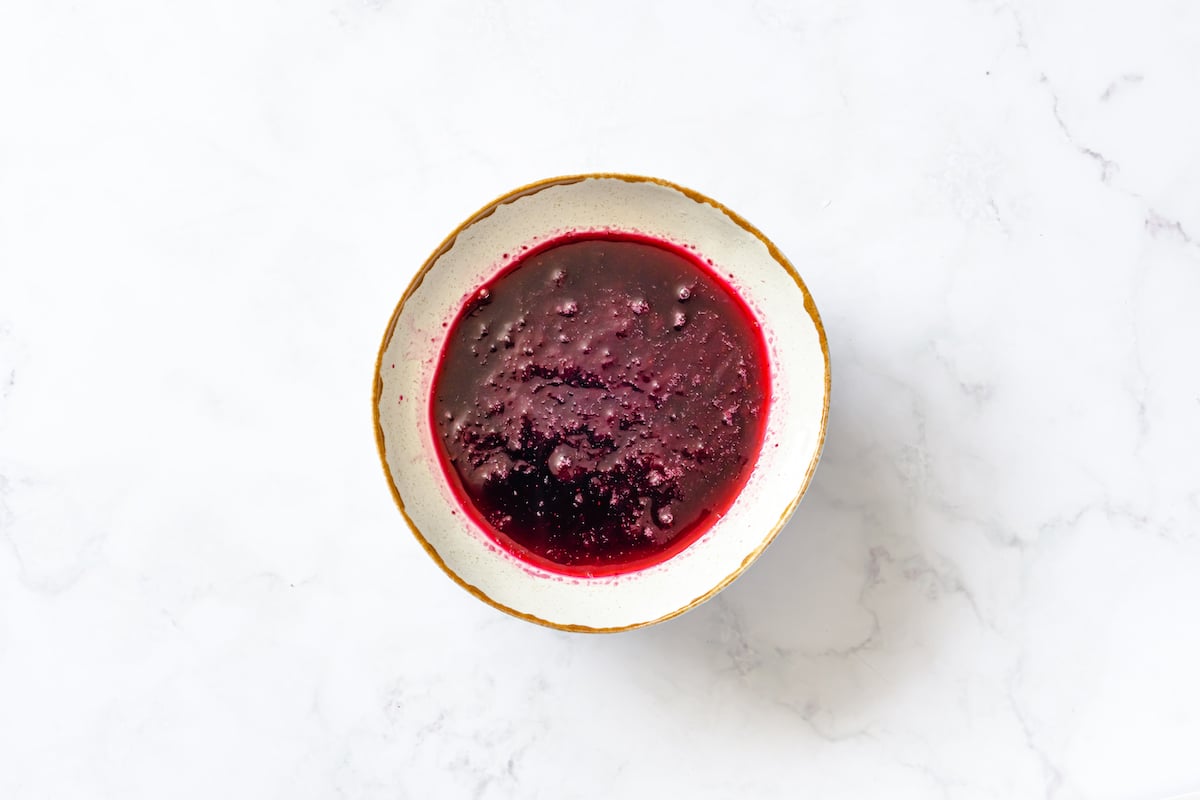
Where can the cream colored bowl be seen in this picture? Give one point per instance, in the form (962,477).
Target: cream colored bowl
(474,253)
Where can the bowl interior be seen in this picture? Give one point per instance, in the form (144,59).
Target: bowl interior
(487,243)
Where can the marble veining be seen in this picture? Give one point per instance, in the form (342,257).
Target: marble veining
(207,214)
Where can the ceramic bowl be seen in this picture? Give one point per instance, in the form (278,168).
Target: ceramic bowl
(481,247)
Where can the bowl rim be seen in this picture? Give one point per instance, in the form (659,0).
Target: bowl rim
(447,243)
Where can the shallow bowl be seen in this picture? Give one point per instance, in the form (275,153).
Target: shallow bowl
(483,246)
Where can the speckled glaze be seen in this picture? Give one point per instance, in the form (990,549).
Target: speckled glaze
(486,243)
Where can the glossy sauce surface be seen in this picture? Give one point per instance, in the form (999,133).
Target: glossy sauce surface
(600,403)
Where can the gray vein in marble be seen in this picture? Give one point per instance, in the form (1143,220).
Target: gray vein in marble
(994,531)
(945,579)
(170,618)
(743,657)
(996,216)
(1156,223)
(1161,227)
(1118,515)
(756,663)
(1061,522)
(6,520)
(1051,772)
(1019,25)
(1139,521)
(808,712)
(1140,388)
(980,393)
(915,461)
(1128,79)
(748,661)
(940,781)
(1108,168)
(771,17)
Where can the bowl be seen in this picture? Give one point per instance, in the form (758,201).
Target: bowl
(479,249)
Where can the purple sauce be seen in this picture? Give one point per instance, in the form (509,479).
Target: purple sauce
(600,403)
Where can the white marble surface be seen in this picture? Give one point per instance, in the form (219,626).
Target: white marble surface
(208,210)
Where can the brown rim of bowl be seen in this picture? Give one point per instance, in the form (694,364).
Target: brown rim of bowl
(448,243)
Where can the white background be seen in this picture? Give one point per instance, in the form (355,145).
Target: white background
(209,210)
